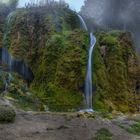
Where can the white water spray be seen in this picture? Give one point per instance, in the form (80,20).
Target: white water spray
(88,80)
(83,23)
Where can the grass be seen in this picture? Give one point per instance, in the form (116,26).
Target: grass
(133,129)
(103,134)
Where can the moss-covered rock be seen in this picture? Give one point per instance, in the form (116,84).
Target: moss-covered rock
(115,72)
(15,90)
(55,48)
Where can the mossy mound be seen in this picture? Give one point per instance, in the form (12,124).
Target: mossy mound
(116,72)
(49,40)
(7,114)
(56,49)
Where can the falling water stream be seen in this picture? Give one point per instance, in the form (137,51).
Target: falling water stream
(88,80)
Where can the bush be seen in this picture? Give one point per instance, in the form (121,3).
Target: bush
(110,40)
(133,129)
(7,114)
(103,134)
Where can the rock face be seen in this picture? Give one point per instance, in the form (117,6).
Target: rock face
(116,72)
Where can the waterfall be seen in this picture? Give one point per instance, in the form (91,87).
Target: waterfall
(88,80)
(6,58)
(83,23)
(9,63)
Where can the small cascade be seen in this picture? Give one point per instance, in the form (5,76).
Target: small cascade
(11,64)
(88,80)
(83,23)
(6,59)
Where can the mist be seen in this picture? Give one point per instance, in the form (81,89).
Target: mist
(115,14)
(4,1)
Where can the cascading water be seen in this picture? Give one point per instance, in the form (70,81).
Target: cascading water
(83,23)
(9,63)
(88,80)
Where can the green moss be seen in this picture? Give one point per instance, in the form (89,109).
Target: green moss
(60,99)
(2,81)
(103,134)
(7,114)
(133,129)
(109,40)
(111,72)
(25,101)
(63,67)
(55,48)
(17,92)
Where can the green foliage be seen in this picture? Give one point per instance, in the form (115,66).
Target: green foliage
(2,81)
(5,10)
(72,20)
(111,72)
(103,134)
(60,99)
(24,100)
(109,40)
(62,71)
(18,90)
(7,114)
(15,89)
(134,128)
(52,44)
(56,50)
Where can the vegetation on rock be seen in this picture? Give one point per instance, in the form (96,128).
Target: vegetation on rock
(133,128)
(115,73)
(54,46)
(5,9)
(103,134)
(15,90)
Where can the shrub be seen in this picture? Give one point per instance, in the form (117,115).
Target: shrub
(7,114)
(110,40)
(133,129)
(103,134)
